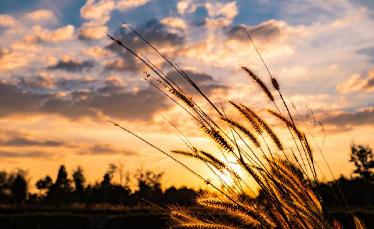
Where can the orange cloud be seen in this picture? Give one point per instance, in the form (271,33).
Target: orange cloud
(10,60)
(41,15)
(41,34)
(7,20)
(357,83)
(186,6)
(97,52)
(91,31)
(175,22)
(220,14)
(130,4)
(97,10)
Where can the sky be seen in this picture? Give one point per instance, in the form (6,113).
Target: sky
(61,78)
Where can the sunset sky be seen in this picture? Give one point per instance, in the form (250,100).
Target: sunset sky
(61,77)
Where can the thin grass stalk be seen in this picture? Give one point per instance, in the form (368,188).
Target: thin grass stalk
(277,88)
(174,159)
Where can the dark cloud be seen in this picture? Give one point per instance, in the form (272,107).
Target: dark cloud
(267,31)
(108,97)
(126,63)
(105,149)
(368,4)
(142,104)
(18,101)
(156,33)
(21,141)
(40,83)
(362,117)
(37,82)
(31,154)
(206,82)
(369,52)
(109,100)
(72,65)
(71,84)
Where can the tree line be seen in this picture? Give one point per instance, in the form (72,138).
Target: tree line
(65,189)
(74,189)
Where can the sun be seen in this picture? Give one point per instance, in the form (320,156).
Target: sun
(234,171)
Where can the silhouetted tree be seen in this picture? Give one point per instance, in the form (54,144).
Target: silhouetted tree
(79,183)
(19,187)
(112,169)
(149,185)
(107,181)
(44,184)
(60,191)
(4,187)
(363,158)
(183,196)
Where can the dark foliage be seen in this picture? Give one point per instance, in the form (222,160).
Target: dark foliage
(363,158)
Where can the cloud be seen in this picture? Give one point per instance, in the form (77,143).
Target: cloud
(156,33)
(206,82)
(41,34)
(109,99)
(41,15)
(47,83)
(125,5)
(75,84)
(126,63)
(368,4)
(174,22)
(342,119)
(96,52)
(71,65)
(37,82)
(92,98)
(368,52)
(265,32)
(30,154)
(19,102)
(92,31)
(220,14)
(97,10)
(186,6)
(7,20)
(106,149)
(98,14)
(26,142)
(357,83)
(10,60)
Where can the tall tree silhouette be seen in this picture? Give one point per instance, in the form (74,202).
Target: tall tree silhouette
(61,189)
(363,158)
(19,187)
(79,183)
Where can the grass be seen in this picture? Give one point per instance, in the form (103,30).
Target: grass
(284,170)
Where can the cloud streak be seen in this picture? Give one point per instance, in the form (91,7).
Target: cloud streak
(342,119)
(358,84)
(70,65)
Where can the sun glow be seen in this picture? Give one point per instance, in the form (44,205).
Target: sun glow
(233,172)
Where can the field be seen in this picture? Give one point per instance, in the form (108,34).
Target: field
(119,217)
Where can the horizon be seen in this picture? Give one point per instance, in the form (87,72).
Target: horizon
(61,78)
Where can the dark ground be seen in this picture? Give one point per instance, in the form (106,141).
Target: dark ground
(123,218)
